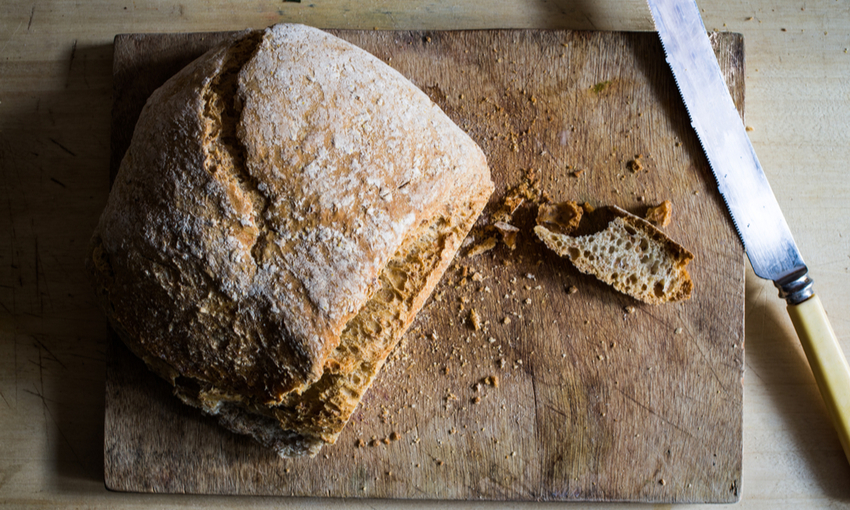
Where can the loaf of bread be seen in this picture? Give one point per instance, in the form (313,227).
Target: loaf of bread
(631,255)
(287,204)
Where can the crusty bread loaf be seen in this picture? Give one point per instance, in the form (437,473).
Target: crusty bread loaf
(631,255)
(286,205)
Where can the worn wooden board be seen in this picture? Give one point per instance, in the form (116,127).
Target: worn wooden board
(593,402)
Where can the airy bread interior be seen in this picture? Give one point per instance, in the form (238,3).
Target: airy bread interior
(631,255)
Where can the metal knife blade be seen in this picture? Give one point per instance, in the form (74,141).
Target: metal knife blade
(740,178)
(755,212)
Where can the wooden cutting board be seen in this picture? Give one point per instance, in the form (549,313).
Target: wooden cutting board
(599,397)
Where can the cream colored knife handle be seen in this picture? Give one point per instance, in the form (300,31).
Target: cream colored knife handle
(827,361)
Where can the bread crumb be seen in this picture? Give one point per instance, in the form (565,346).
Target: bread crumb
(394,436)
(572,289)
(660,214)
(492,380)
(587,207)
(506,320)
(475,400)
(484,246)
(636,165)
(630,309)
(359,443)
(526,190)
(750,128)
(474,320)
(677,331)
(508,232)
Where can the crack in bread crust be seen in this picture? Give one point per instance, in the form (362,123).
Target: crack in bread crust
(236,251)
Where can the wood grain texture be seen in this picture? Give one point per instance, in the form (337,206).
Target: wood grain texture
(593,402)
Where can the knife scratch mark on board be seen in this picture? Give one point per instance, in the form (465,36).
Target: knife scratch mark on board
(690,337)
(650,411)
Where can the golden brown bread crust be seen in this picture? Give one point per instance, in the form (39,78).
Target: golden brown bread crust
(268,190)
(562,218)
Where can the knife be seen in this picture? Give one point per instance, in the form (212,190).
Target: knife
(760,224)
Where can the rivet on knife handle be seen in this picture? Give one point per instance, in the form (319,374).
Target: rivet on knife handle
(744,187)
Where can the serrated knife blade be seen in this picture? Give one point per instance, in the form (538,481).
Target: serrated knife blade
(755,212)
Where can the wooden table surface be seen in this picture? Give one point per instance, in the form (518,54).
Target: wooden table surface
(55,100)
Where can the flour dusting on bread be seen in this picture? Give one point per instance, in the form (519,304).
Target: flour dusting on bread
(286,205)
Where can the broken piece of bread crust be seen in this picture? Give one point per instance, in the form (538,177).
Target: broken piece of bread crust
(631,255)
(286,205)
(561,218)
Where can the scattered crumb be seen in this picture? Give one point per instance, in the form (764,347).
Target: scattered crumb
(492,380)
(509,233)
(630,309)
(394,436)
(474,319)
(359,443)
(572,289)
(587,208)
(506,320)
(677,331)
(662,482)
(636,165)
(528,189)
(661,214)
(484,246)
(476,399)
(439,462)
(750,128)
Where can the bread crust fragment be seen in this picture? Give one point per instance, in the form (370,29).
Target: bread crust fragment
(631,255)
(273,189)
